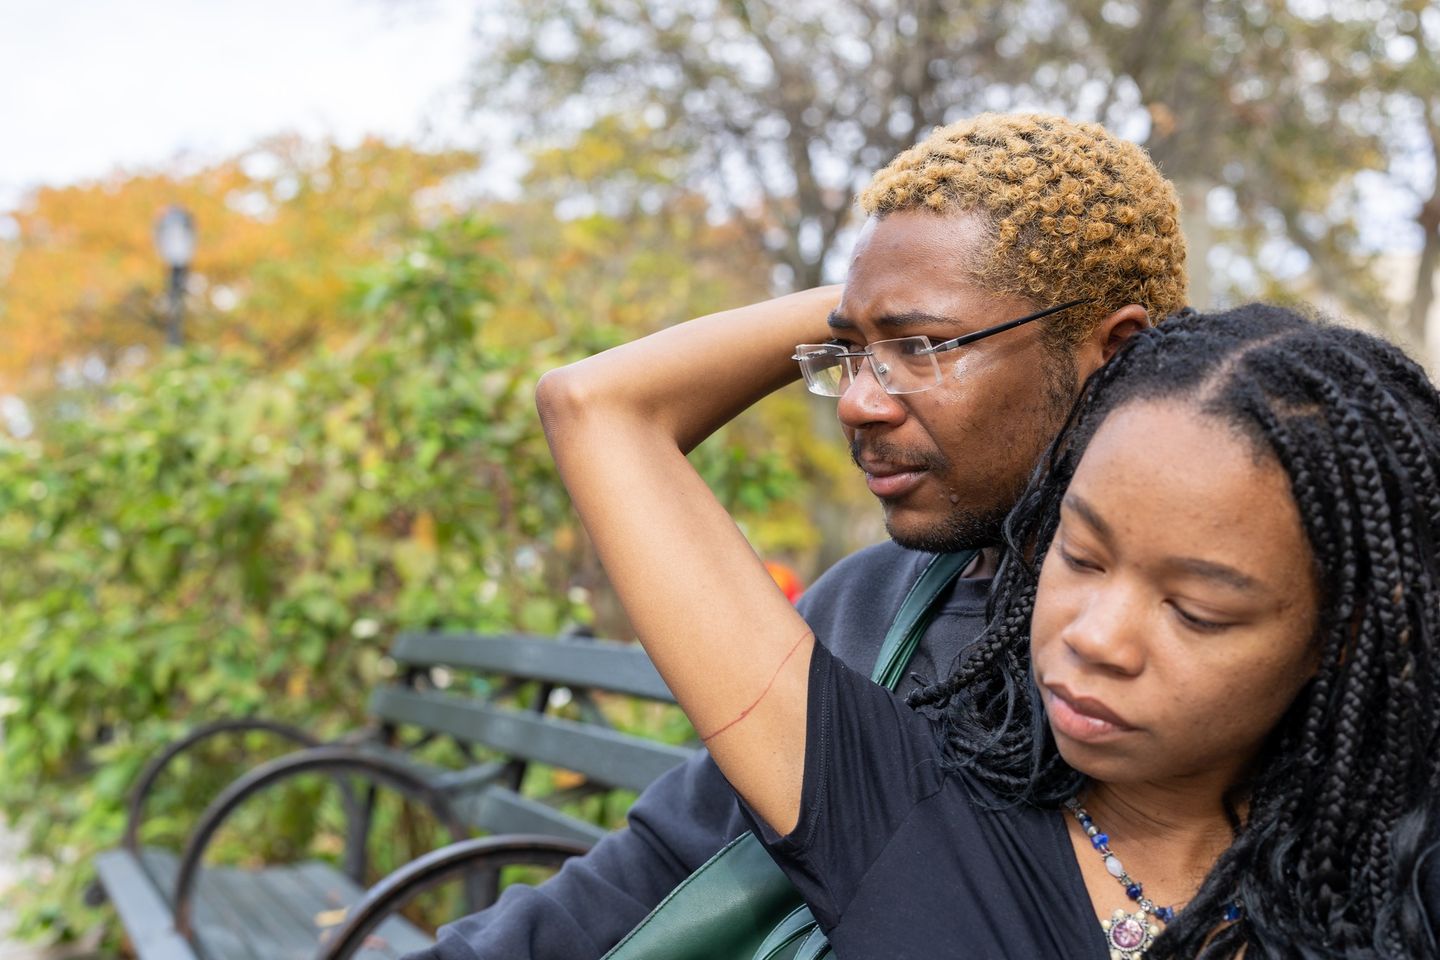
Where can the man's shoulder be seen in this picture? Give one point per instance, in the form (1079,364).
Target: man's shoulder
(851,606)
(880,568)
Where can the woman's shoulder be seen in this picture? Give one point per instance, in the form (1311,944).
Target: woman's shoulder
(861,727)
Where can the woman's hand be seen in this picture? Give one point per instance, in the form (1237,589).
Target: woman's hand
(733,651)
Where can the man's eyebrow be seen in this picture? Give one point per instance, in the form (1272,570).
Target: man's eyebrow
(897,321)
(1209,569)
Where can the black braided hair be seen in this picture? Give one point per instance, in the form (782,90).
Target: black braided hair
(1343,814)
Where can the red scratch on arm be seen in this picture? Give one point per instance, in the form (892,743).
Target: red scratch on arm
(763,693)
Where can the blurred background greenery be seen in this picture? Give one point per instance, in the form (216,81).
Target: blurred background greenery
(346,446)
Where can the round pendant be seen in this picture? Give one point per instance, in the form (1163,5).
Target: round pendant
(1129,935)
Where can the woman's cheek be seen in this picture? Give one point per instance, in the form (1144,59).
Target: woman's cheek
(1050,598)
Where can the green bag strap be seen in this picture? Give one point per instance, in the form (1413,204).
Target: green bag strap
(787,935)
(721,909)
(814,947)
(798,937)
(916,612)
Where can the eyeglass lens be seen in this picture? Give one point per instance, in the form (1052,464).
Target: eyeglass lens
(906,365)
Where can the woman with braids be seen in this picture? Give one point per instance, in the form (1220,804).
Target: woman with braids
(1204,720)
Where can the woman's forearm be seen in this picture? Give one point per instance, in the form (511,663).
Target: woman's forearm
(731,648)
(692,378)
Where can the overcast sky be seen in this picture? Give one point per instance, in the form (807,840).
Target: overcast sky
(87,86)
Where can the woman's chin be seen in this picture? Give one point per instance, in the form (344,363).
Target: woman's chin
(1105,762)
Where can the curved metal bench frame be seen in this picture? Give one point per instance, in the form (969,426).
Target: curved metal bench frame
(324,759)
(486,855)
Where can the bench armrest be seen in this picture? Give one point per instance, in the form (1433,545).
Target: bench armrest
(481,854)
(141,791)
(333,760)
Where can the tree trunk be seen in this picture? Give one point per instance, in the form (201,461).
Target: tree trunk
(1417,322)
(1199,238)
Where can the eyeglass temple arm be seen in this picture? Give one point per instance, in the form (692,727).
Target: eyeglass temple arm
(1010,325)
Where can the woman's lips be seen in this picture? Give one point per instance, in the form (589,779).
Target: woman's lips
(891,480)
(1081,718)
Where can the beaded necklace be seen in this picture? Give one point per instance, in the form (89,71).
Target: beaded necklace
(1129,935)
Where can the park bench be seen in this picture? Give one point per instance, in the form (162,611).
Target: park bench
(174,907)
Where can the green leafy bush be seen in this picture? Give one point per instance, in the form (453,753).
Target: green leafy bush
(209,539)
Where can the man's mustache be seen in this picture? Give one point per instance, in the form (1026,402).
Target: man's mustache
(890,453)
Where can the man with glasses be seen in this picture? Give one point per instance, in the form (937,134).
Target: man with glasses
(1003,260)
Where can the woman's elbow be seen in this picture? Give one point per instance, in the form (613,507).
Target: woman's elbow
(560,398)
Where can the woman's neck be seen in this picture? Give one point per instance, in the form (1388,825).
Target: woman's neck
(1185,823)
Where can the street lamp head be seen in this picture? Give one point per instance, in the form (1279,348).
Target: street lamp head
(175,237)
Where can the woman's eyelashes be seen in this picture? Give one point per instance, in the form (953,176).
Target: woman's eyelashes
(1197,623)
(1076,561)
(1083,562)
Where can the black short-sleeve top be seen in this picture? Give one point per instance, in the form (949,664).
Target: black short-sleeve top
(898,860)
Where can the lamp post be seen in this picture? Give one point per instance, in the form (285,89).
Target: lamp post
(175,239)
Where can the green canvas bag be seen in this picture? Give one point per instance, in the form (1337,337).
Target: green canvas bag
(738,905)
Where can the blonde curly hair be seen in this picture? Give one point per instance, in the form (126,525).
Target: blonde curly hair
(1075,212)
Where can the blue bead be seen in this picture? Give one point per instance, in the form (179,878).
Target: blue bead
(1165,914)
(1232,912)
(1100,840)
(1133,891)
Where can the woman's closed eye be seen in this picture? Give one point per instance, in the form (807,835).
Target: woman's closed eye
(1084,562)
(1078,561)
(1192,620)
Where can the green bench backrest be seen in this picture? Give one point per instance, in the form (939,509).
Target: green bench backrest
(605,757)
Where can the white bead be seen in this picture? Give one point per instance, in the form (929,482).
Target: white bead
(1112,864)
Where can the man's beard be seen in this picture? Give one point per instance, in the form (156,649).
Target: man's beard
(960,529)
(964,526)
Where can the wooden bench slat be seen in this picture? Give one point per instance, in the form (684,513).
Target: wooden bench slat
(612,758)
(579,662)
(500,810)
(320,907)
(308,909)
(271,913)
(272,928)
(398,935)
(144,912)
(215,925)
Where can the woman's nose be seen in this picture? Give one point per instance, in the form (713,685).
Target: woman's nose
(865,402)
(1108,631)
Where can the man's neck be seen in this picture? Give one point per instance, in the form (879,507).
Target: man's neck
(984,565)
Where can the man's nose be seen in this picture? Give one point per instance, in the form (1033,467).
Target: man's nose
(865,402)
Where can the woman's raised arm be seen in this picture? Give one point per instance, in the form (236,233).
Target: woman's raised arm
(733,651)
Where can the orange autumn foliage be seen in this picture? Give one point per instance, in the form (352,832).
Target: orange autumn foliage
(281,228)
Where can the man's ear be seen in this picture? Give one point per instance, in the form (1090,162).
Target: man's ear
(1109,335)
